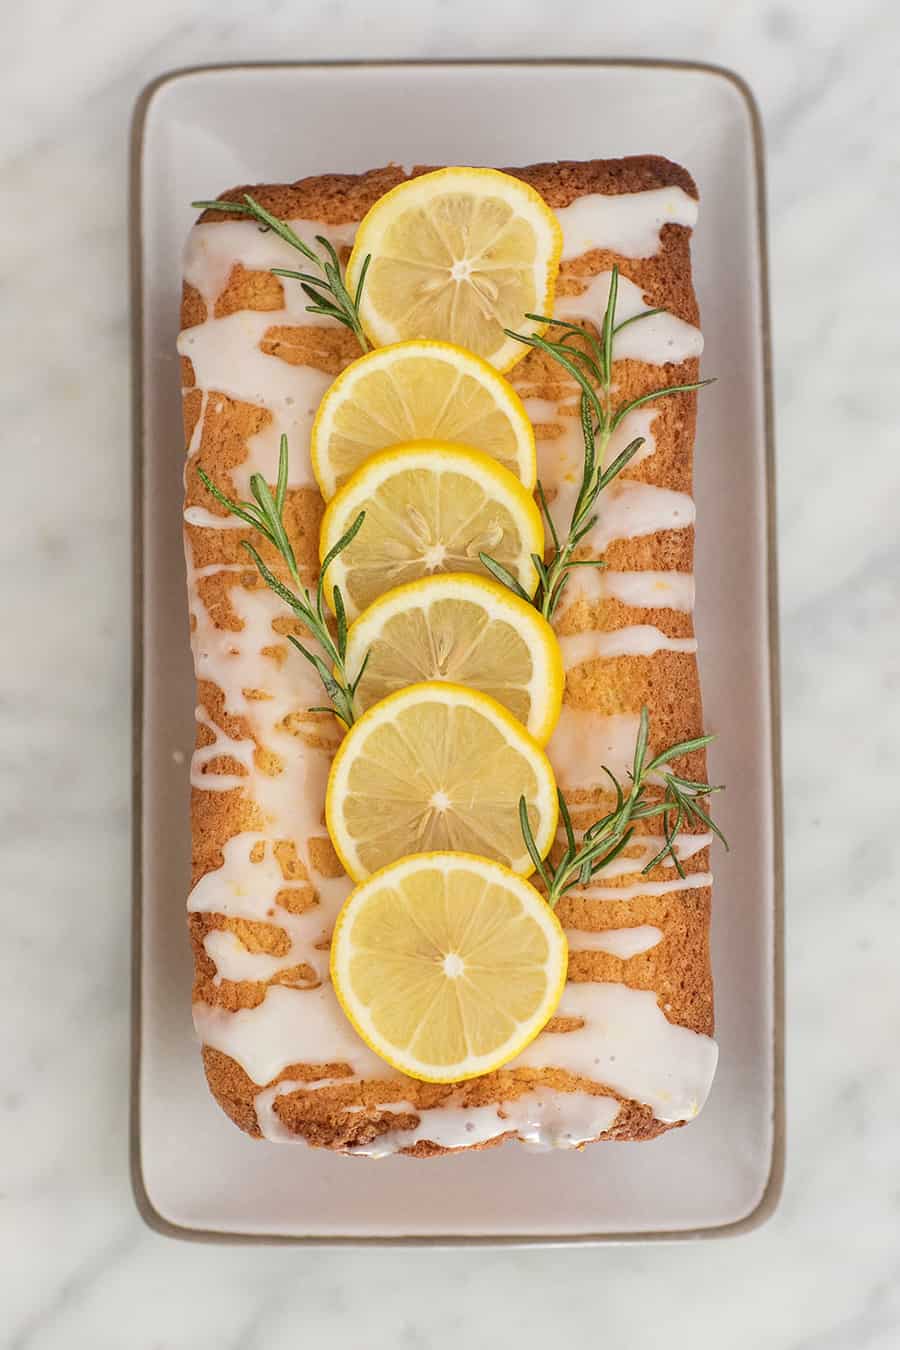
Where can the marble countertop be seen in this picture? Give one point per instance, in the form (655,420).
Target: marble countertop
(79,1267)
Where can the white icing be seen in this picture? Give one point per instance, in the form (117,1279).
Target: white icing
(652,590)
(693,881)
(628,223)
(226,356)
(638,640)
(222,745)
(290,800)
(627,1043)
(543,1119)
(290,1026)
(244,889)
(639,590)
(561,458)
(626,509)
(658,340)
(212,251)
(225,352)
(546,1119)
(621,942)
(585,740)
(629,510)
(196,435)
(206,520)
(234,962)
(447,1127)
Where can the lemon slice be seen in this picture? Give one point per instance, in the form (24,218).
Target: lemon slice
(419,391)
(430,507)
(458,255)
(464,629)
(447,965)
(437,766)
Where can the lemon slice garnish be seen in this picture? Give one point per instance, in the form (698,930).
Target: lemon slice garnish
(464,629)
(429,508)
(419,391)
(458,255)
(437,766)
(447,965)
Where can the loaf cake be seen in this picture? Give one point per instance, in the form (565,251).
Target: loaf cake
(629,1052)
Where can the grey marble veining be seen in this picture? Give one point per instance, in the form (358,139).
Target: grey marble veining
(78,1267)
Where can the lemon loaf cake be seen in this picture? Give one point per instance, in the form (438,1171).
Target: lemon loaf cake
(628,1052)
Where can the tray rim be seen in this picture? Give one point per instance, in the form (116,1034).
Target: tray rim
(771,1194)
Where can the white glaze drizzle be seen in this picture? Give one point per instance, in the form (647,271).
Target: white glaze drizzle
(628,1043)
(543,1119)
(206,520)
(627,223)
(561,457)
(225,352)
(636,640)
(290,800)
(290,1026)
(244,889)
(629,510)
(639,590)
(625,1042)
(626,509)
(226,356)
(214,249)
(694,881)
(621,942)
(659,340)
(222,745)
(197,433)
(584,741)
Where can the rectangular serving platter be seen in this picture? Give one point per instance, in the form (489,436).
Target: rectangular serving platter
(199,131)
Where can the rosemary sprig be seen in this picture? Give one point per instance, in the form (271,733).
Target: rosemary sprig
(592,371)
(609,835)
(266,514)
(327,292)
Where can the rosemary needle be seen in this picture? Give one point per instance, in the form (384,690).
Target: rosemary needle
(266,514)
(611,834)
(592,371)
(327,292)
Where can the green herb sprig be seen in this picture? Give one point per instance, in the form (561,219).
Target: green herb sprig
(266,514)
(592,371)
(327,291)
(611,834)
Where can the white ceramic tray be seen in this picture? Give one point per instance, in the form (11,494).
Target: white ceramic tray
(198,132)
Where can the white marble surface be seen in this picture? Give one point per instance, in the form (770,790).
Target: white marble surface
(78,1267)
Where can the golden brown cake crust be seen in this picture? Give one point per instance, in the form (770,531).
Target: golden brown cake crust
(678,969)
